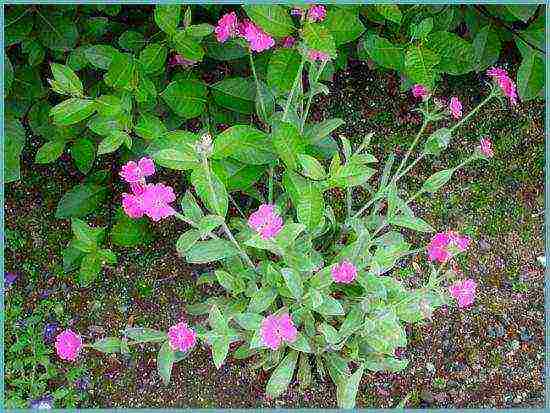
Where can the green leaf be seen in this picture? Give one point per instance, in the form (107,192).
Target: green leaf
(88,235)
(100,55)
(230,50)
(153,58)
(293,281)
(329,333)
(273,19)
(385,53)
(132,41)
(66,81)
(83,153)
(72,111)
(244,143)
(81,200)
(188,46)
(317,132)
(144,335)
(149,127)
(281,377)
(128,232)
(438,141)
(50,151)
(283,69)
(390,12)
(58,32)
(90,267)
(122,74)
(216,320)
(200,30)
(8,74)
(108,105)
(414,223)
(422,29)
(112,142)
(419,64)
(531,77)
(456,54)
(523,12)
(236,175)
(384,363)
(307,198)
(220,348)
(301,344)
(187,98)
(249,321)
(317,37)
(346,389)
(351,174)
(330,306)
(209,223)
(311,167)
(437,180)
(107,345)
(167,17)
(208,251)
(210,190)
(262,300)
(352,323)
(237,94)
(186,241)
(190,208)
(165,360)
(288,143)
(344,25)
(486,47)
(175,150)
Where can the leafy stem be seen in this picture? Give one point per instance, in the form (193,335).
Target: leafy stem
(310,98)
(258,92)
(293,90)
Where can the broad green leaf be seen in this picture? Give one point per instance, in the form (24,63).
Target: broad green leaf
(306,197)
(456,54)
(262,300)
(107,345)
(329,333)
(210,190)
(249,321)
(282,69)
(13,145)
(530,77)
(220,349)
(122,74)
(317,37)
(100,55)
(8,74)
(438,141)
(311,167)
(281,377)
(186,241)
(108,105)
(165,361)
(422,29)
(81,200)
(414,223)
(288,143)
(304,372)
(114,141)
(188,46)
(149,127)
(187,98)
(209,223)
(236,175)
(167,17)
(83,154)
(523,11)
(50,151)
(346,389)
(419,64)
(90,267)
(132,41)
(57,31)
(352,323)
(244,143)
(301,344)
(190,208)
(216,320)
(390,12)
(293,281)
(273,19)
(351,174)
(144,335)
(437,180)
(130,232)
(230,50)
(175,150)
(343,24)
(385,53)
(486,47)
(208,251)
(237,94)
(153,58)
(200,30)
(72,111)
(66,81)
(330,306)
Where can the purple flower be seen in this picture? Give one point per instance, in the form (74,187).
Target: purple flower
(83,383)
(9,279)
(44,402)
(344,272)
(455,107)
(49,332)
(274,330)
(464,292)
(265,221)
(420,91)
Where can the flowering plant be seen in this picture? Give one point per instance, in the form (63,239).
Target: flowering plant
(304,290)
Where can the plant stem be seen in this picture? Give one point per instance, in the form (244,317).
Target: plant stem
(262,106)
(270,185)
(236,205)
(310,97)
(474,110)
(402,174)
(413,145)
(293,90)
(244,255)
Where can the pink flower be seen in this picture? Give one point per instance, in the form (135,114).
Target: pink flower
(505,83)
(179,60)
(419,91)
(316,13)
(443,244)
(317,55)
(67,345)
(289,41)
(256,37)
(133,203)
(486,147)
(464,292)
(181,337)
(227,27)
(156,199)
(455,107)
(136,172)
(265,221)
(345,272)
(274,330)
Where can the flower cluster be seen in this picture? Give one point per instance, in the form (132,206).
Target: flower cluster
(420,92)
(486,147)
(316,13)
(68,345)
(181,337)
(464,292)
(455,107)
(229,27)
(265,221)
(445,244)
(152,200)
(276,329)
(504,82)
(344,272)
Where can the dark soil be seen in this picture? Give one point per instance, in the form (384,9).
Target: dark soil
(490,355)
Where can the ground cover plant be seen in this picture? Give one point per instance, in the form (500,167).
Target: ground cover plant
(305,288)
